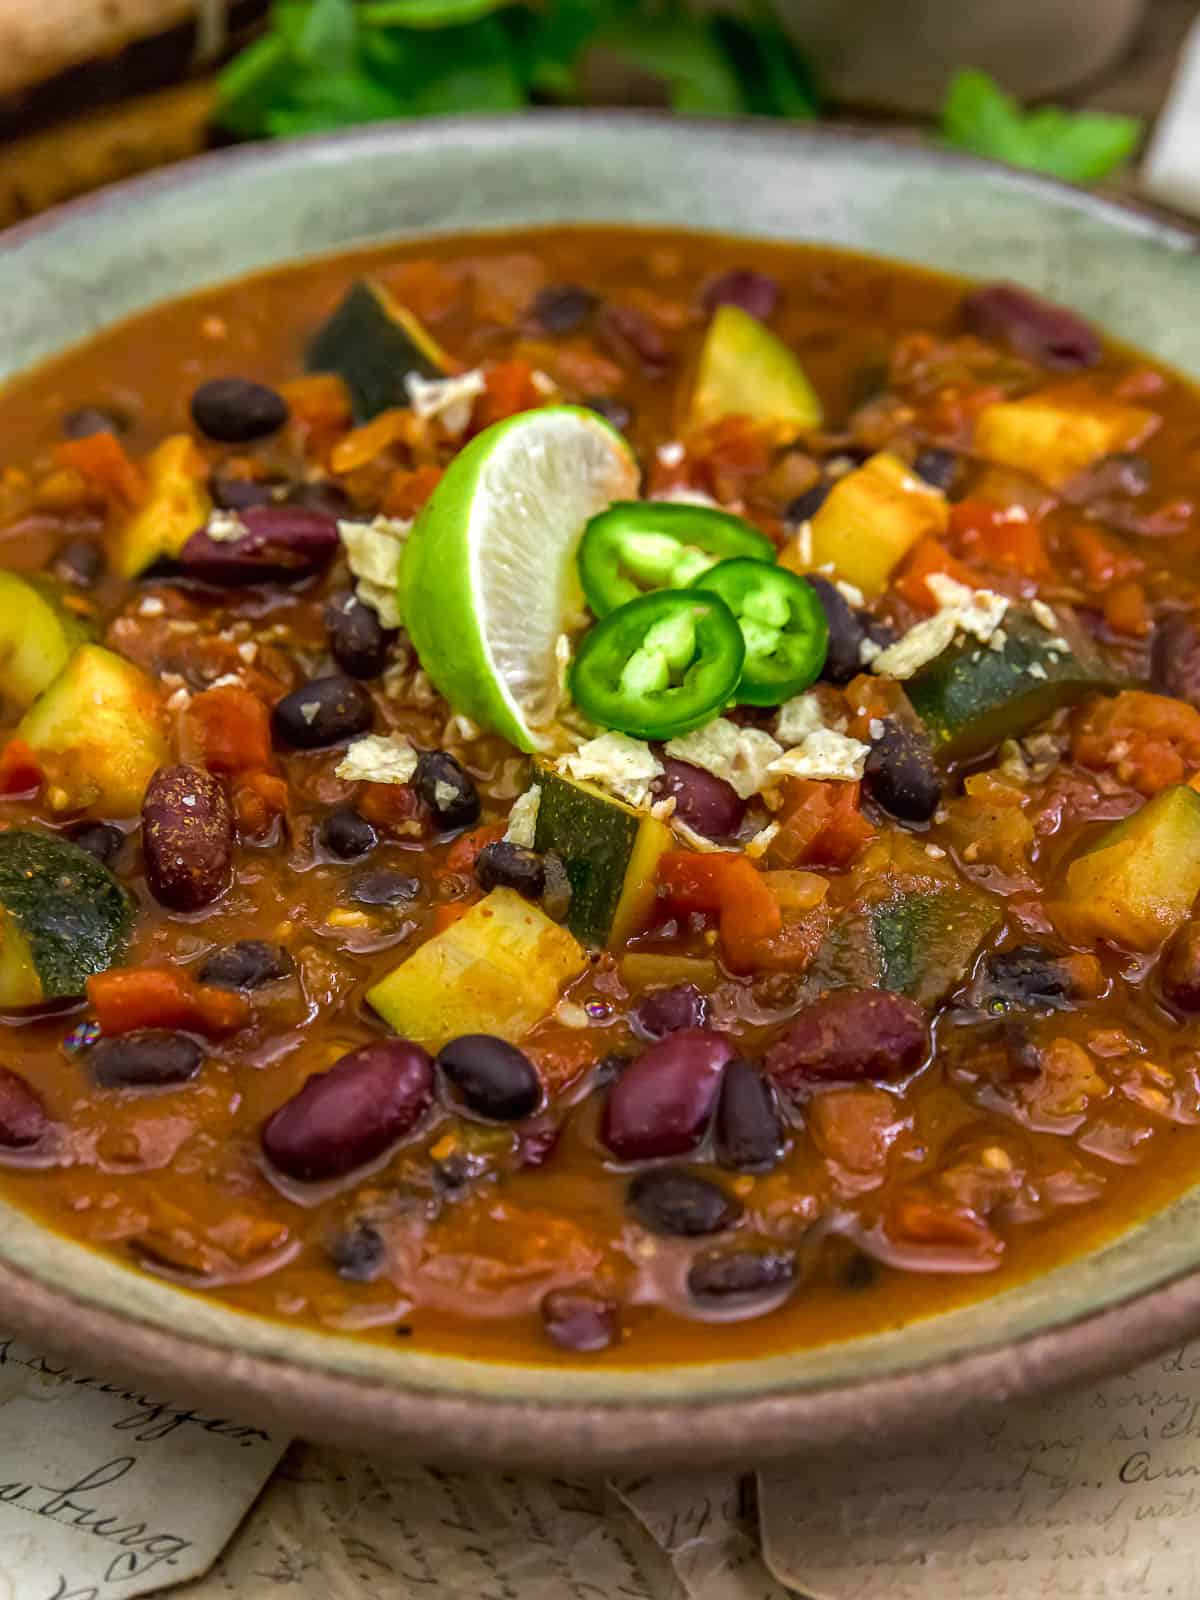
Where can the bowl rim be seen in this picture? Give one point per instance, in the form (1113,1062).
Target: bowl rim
(594,1435)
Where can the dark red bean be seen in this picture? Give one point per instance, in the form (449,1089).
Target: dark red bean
(743,287)
(322,712)
(150,1058)
(672,1201)
(748,1130)
(99,839)
(661,1105)
(80,562)
(580,1319)
(236,410)
(625,332)
(1035,328)
(23,1119)
(901,775)
(347,1117)
(248,964)
(702,801)
(187,837)
(563,307)
(493,1078)
(503,865)
(90,420)
(447,789)
(1179,973)
(1175,658)
(280,542)
(358,641)
(849,1034)
(665,1011)
(722,1276)
(383,887)
(358,1252)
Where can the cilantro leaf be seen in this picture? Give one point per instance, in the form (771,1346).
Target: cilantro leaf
(683,51)
(426,13)
(1080,146)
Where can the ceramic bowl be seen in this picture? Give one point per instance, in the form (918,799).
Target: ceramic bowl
(64,276)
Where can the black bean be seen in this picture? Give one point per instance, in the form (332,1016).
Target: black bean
(347,835)
(248,964)
(280,543)
(151,1058)
(747,1130)
(1029,975)
(901,775)
(938,467)
(80,562)
(239,494)
(503,865)
(1179,970)
(187,837)
(667,1010)
(563,307)
(674,1201)
(236,410)
(324,712)
(23,1119)
(358,1252)
(493,1078)
(724,1275)
(742,287)
(99,839)
(615,412)
(382,887)
(805,506)
(89,420)
(1175,658)
(1035,328)
(843,659)
(358,641)
(860,1272)
(321,495)
(447,790)
(580,1319)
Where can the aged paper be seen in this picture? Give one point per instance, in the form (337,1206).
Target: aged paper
(1091,1494)
(107,1492)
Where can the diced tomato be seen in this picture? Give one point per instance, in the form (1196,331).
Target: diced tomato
(19,769)
(361,445)
(101,458)
(1127,611)
(408,489)
(395,807)
(258,799)
(997,538)
(727,884)
(464,852)
(430,289)
(510,389)
(1149,741)
(227,729)
(820,824)
(930,556)
(1102,561)
(125,998)
(913,1219)
(319,401)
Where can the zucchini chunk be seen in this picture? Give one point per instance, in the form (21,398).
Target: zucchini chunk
(746,371)
(1054,434)
(1139,881)
(37,636)
(63,917)
(97,734)
(871,519)
(971,697)
(610,852)
(176,506)
(372,343)
(497,970)
(926,941)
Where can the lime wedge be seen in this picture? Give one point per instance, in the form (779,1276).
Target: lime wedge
(489,584)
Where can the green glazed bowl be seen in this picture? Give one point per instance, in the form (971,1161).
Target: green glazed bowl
(100,259)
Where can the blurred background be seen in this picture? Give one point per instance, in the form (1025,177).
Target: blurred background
(1095,91)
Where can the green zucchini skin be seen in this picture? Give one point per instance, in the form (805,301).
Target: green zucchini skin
(595,839)
(368,345)
(972,697)
(74,914)
(926,941)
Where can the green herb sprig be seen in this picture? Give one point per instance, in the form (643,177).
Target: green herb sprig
(1081,146)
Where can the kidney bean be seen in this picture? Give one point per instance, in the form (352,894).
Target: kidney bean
(673,1201)
(503,865)
(239,494)
(702,800)
(743,287)
(1175,658)
(23,1119)
(150,1058)
(1179,972)
(99,839)
(580,1319)
(624,331)
(724,1275)
(280,542)
(849,1034)
(322,712)
(1035,328)
(937,467)
(347,835)
(670,1010)
(348,1116)
(662,1104)
(563,307)
(747,1130)
(805,507)
(447,790)
(383,887)
(358,641)
(615,412)
(358,1252)
(493,1078)
(248,964)
(89,420)
(236,410)
(80,562)
(187,837)
(901,775)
